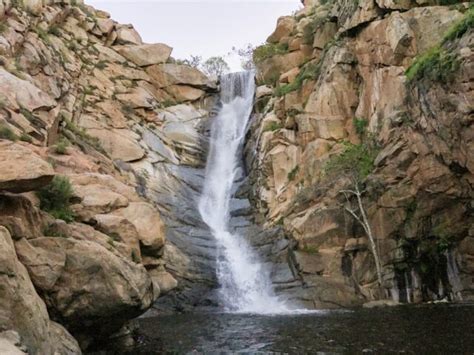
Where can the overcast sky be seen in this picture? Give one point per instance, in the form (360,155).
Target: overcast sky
(206,27)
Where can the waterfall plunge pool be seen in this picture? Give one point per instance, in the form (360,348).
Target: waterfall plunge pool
(424,329)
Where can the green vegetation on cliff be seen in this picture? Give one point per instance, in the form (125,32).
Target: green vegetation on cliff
(309,72)
(7,133)
(356,160)
(268,50)
(55,198)
(437,64)
(440,63)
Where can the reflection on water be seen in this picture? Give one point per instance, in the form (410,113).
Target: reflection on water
(409,330)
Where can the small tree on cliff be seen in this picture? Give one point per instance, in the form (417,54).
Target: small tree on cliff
(246,56)
(355,163)
(215,66)
(194,61)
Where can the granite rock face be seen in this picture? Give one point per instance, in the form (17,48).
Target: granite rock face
(354,89)
(84,100)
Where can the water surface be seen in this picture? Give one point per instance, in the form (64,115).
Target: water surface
(437,329)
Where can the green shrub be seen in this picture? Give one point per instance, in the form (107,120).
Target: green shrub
(268,50)
(42,34)
(102,64)
(51,231)
(128,109)
(461,27)
(438,64)
(357,160)
(310,249)
(309,72)
(167,103)
(26,138)
(292,174)
(27,114)
(54,30)
(135,257)
(55,198)
(7,133)
(272,126)
(360,125)
(61,147)
(3,27)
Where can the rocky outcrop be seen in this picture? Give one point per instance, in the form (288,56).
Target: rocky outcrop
(23,312)
(390,80)
(22,170)
(92,122)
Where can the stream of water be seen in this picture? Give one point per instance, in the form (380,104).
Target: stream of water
(245,285)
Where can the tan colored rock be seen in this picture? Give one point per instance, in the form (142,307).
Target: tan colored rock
(119,143)
(23,311)
(120,229)
(72,26)
(138,98)
(172,74)
(148,223)
(284,160)
(22,170)
(33,6)
(262,91)
(10,346)
(96,199)
(182,93)
(164,279)
(349,17)
(146,54)
(289,76)
(105,25)
(108,181)
(20,217)
(126,34)
(113,112)
(118,290)
(324,35)
(285,26)
(278,64)
(182,132)
(21,93)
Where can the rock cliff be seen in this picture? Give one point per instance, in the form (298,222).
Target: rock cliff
(371,99)
(94,126)
(359,165)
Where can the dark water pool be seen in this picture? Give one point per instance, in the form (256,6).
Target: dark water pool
(440,329)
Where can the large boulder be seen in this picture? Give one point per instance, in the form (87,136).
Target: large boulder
(126,34)
(146,54)
(22,170)
(21,93)
(23,311)
(90,288)
(171,74)
(148,223)
(285,26)
(119,143)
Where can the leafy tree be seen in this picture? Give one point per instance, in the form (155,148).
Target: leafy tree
(215,66)
(355,163)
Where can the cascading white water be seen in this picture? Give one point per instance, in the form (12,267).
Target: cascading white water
(244,283)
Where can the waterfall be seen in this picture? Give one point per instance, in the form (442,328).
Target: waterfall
(245,285)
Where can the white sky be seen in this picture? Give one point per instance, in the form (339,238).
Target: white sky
(200,27)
